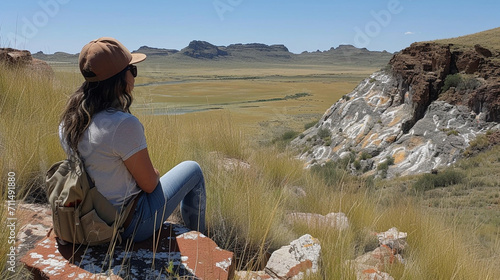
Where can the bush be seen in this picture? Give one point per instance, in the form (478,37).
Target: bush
(451,81)
(329,172)
(431,181)
(289,135)
(324,133)
(357,164)
(385,165)
(365,156)
(460,82)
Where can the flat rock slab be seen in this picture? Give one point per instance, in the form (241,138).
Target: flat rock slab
(179,253)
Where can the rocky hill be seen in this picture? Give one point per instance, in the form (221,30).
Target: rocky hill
(418,114)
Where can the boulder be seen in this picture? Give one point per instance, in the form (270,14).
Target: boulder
(292,261)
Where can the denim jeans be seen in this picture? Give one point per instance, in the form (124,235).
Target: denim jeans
(183,184)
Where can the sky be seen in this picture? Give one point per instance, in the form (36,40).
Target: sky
(391,25)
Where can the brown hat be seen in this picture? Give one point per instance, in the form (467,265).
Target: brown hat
(105,57)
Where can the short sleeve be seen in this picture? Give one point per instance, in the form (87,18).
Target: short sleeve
(129,138)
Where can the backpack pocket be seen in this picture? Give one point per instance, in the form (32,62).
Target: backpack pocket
(96,230)
(66,224)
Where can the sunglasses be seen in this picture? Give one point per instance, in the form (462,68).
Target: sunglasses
(133,70)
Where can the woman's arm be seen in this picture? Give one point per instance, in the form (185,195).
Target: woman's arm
(141,168)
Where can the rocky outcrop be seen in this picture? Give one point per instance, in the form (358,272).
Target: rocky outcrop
(202,49)
(23,58)
(400,122)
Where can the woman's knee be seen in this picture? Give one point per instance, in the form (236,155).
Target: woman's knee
(192,166)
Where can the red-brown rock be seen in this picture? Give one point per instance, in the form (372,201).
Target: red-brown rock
(423,67)
(178,252)
(203,258)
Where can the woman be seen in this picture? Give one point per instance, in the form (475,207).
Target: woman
(97,125)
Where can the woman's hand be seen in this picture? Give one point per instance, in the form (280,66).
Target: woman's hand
(141,168)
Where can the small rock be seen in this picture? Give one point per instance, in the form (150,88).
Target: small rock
(393,238)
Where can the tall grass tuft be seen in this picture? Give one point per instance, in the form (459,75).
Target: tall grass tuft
(30,105)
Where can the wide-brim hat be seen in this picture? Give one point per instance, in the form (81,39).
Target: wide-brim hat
(105,57)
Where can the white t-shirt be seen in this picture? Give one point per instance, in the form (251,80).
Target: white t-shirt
(111,138)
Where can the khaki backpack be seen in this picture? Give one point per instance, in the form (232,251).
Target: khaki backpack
(80,213)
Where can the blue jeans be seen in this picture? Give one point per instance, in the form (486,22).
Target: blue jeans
(183,184)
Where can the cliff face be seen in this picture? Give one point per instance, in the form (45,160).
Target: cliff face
(421,112)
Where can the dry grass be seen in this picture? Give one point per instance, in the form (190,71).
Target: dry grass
(489,39)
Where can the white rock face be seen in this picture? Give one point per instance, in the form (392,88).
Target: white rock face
(377,119)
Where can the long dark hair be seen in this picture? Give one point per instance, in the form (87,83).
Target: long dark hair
(90,99)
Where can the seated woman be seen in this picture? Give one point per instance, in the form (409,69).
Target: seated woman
(98,126)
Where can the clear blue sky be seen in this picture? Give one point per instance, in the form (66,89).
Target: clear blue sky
(67,25)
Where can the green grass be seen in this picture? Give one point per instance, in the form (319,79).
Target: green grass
(247,204)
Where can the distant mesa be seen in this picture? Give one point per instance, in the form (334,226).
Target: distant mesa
(256,51)
(202,49)
(149,51)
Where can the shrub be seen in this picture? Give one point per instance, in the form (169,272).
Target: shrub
(385,165)
(443,179)
(346,161)
(328,142)
(357,165)
(323,133)
(288,135)
(329,172)
(310,124)
(365,156)
(460,82)
(451,81)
